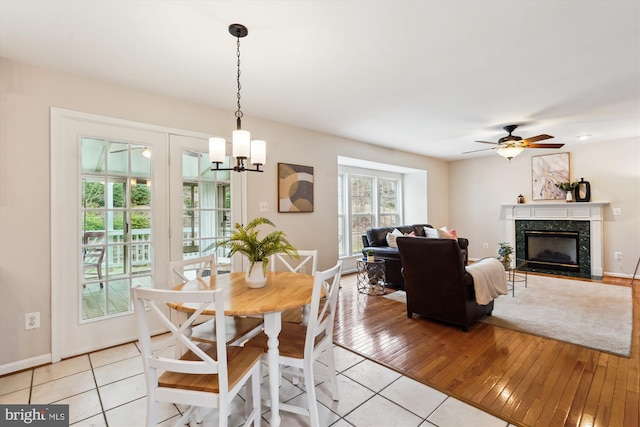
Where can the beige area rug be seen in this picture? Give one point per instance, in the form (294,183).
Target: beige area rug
(584,313)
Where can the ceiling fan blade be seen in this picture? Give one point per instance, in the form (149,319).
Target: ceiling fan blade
(544,146)
(475,151)
(537,138)
(487,142)
(126,149)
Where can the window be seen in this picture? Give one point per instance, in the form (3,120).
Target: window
(366,198)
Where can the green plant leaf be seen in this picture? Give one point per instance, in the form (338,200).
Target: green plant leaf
(245,240)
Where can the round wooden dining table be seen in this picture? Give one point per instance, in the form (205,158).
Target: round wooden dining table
(283,291)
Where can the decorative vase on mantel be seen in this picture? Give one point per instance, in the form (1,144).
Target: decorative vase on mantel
(582,192)
(255,276)
(569,196)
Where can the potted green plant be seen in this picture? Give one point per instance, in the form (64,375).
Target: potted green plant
(370,257)
(245,240)
(568,187)
(505,250)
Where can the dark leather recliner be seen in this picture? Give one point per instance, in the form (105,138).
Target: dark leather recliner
(437,283)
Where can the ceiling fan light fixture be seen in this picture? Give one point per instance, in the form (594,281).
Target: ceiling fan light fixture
(509,152)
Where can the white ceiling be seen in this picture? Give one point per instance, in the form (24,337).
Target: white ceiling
(425,76)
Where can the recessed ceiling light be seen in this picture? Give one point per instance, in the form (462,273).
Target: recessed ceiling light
(583,137)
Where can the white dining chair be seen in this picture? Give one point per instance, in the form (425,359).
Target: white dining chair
(205,375)
(306,263)
(300,345)
(192,268)
(238,328)
(307,259)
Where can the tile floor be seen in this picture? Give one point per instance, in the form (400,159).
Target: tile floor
(107,388)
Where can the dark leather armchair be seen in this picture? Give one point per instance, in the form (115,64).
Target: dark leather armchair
(436,282)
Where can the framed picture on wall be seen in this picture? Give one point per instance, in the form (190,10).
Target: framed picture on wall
(546,171)
(295,188)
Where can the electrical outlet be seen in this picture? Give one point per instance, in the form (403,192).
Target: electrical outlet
(618,256)
(264,206)
(617,211)
(32,320)
(485,245)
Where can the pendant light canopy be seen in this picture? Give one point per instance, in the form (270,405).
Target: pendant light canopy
(243,147)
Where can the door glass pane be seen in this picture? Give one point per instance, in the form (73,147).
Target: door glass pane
(119,295)
(116,208)
(190,168)
(118,260)
(140,160)
(117,195)
(118,159)
(206,213)
(93,155)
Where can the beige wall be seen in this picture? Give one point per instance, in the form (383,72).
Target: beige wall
(462,194)
(26,95)
(479,186)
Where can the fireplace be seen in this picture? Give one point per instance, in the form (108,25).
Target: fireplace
(584,218)
(554,250)
(557,247)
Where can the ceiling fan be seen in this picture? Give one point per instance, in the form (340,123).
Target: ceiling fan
(511,145)
(146,152)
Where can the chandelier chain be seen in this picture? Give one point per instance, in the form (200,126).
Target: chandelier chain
(239,112)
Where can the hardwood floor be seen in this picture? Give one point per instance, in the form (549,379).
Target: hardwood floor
(524,379)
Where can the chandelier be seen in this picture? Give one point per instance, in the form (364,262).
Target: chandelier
(243,147)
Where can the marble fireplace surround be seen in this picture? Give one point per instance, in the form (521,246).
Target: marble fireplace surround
(562,211)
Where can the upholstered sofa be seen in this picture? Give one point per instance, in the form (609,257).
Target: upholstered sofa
(375,239)
(437,283)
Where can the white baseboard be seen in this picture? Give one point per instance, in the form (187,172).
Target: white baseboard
(25,364)
(622,275)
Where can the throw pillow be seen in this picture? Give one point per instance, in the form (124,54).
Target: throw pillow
(431,232)
(444,233)
(412,234)
(391,238)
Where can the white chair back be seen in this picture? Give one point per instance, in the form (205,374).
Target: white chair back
(193,268)
(322,310)
(307,263)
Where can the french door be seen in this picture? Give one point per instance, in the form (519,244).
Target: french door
(109,225)
(203,210)
(126,198)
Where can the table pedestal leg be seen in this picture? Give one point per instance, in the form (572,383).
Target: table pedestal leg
(272,327)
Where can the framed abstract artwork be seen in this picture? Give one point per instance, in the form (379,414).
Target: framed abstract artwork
(546,171)
(295,188)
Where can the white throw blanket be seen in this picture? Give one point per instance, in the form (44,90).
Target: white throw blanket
(489,280)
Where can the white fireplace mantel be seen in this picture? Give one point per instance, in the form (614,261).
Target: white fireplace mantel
(577,211)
